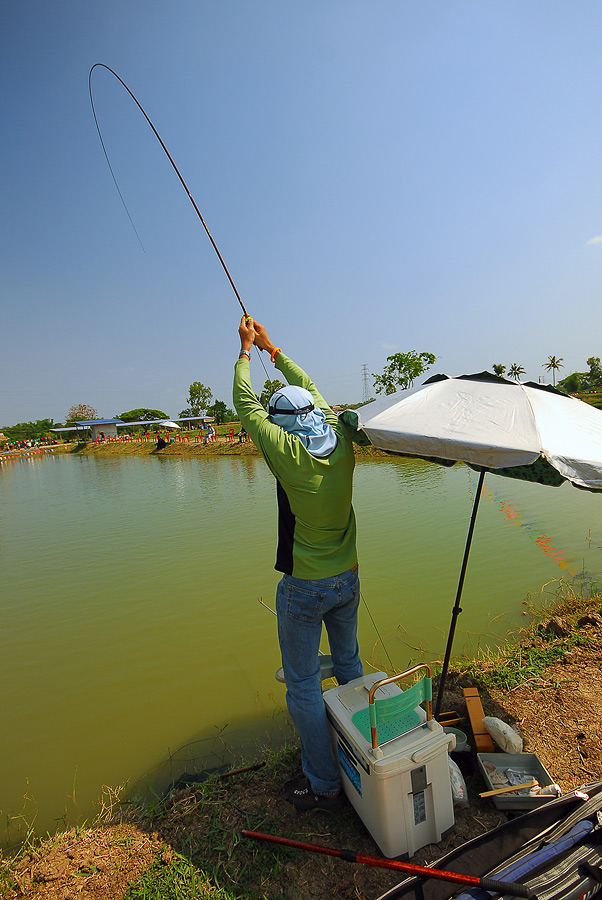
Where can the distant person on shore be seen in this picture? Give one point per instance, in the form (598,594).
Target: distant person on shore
(242,436)
(309,451)
(161,443)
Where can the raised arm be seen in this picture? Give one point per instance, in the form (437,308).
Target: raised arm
(293,373)
(251,412)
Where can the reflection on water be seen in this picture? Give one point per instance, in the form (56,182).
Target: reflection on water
(130,628)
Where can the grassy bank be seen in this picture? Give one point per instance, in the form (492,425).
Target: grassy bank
(223,446)
(546,682)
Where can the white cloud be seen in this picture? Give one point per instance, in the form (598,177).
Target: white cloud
(594,240)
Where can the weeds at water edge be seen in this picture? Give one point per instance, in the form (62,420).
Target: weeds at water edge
(548,638)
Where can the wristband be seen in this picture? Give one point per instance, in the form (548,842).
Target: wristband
(274,354)
(246,353)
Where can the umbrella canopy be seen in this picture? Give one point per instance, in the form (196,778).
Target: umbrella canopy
(169,424)
(489,422)
(521,430)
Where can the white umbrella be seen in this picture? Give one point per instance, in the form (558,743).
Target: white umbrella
(169,424)
(488,421)
(521,430)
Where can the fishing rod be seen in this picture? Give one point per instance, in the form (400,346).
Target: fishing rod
(487,884)
(178,173)
(167,153)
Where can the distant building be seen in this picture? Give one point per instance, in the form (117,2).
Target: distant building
(95,426)
(109,427)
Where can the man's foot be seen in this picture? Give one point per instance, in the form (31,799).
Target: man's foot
(295,784)
(299,792)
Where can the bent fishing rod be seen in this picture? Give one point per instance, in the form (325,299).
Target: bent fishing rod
(178,173)
(167,153)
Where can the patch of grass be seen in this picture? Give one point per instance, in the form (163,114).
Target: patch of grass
(547,639)
(514,669)
(592,399)
(173,877)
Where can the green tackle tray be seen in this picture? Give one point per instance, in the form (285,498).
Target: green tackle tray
(530,764)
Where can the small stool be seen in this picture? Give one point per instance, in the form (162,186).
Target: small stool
(326,669)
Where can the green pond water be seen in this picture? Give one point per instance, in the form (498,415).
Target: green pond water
(132,644)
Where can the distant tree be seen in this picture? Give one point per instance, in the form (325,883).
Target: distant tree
(344,406)
(269,388)
(515,371)
(28,431)
(584,381)
(81,412)
(553,365)
(595,372)
(402,370)
(499,369)
(220,412)
(572,383)
(198,399)
(141,415)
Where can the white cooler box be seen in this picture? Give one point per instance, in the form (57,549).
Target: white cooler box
(400,789)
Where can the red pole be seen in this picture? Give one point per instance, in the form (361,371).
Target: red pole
(499,887)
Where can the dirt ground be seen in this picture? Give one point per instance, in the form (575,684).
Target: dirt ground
(559,714)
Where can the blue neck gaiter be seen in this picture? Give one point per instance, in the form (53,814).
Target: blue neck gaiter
(292,408)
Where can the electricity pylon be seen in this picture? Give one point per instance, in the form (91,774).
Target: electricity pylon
(366,383)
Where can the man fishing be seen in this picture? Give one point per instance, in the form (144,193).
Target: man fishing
(309,451)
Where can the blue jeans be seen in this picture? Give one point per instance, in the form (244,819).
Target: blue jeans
(302,606)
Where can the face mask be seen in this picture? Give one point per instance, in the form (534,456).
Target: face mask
(292,408)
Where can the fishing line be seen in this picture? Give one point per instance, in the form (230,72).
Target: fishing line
(177,171)
(393,669)
(274,613)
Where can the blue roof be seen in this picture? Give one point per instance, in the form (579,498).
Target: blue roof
(87,422)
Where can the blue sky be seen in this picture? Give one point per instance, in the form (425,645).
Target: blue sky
(378,176)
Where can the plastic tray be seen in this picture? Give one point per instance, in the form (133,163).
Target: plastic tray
(530,764)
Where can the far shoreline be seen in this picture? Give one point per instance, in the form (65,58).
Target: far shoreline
(177,449)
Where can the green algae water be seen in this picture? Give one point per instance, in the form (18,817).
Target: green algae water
(133,647)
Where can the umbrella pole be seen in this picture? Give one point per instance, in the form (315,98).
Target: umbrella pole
(457,608)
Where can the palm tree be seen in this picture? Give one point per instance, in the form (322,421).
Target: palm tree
(499,369)
(553,365)
(515,371)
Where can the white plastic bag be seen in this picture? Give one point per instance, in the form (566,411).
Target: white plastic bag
(458,785)
(505,737)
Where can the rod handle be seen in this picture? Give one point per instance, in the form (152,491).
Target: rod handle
(508,887)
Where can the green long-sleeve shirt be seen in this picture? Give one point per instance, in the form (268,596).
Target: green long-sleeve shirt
(316,522)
